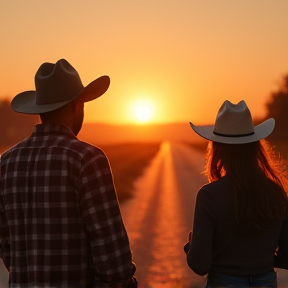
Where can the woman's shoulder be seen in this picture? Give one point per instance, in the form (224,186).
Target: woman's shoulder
(222,183)
(215,188)
(215,195)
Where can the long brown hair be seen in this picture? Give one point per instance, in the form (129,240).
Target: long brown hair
(258,184)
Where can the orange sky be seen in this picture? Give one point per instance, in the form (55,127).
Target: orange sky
(185,57)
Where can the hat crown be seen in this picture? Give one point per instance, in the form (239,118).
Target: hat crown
(234,125)
(57,85)
(57,82)
(233,120)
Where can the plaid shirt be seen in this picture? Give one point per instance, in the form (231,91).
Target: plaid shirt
(60,222)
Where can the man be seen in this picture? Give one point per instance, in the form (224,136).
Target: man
(60,222)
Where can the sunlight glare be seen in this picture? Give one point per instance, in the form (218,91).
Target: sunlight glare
(143,114)
(143,111)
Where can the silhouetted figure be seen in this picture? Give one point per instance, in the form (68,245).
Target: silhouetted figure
(239,214)
(60,221)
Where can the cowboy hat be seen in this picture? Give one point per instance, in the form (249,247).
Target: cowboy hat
(234,125)
(57,85)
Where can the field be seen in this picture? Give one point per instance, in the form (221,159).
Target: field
(127,161)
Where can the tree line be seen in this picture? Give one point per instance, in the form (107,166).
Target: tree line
(14,127)
(277,108)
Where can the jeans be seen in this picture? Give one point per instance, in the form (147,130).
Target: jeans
(267,280)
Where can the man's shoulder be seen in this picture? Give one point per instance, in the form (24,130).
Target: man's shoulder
(85,147)
(8,152)
(73,146)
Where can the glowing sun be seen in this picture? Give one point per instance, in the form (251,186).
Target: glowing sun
(143,111)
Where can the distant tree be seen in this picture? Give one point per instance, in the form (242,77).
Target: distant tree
(277,108)
(14,127)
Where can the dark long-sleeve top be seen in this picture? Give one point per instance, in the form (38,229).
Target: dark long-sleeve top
(60,222)
(281,257)
(218,245)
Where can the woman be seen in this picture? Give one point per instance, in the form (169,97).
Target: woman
(239,214)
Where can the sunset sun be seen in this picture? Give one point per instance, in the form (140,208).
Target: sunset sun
(143,114)
(143,111)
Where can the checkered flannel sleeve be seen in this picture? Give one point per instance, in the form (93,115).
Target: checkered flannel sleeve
(100,210)
(4,233)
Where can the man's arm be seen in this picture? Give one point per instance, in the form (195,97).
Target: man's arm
(101,213)
(4,235)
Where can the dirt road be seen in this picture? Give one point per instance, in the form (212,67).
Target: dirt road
(160,215)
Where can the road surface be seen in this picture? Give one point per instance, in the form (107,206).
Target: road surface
(160,216)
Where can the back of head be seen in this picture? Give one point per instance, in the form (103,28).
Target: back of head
(240,160)
(257,183)
(54,116)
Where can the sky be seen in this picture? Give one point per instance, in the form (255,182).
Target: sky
(178,59)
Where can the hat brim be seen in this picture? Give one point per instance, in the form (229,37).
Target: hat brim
(25,102)
(261,131)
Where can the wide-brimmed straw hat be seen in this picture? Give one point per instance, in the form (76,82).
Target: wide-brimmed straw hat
(234,125)
(57,85)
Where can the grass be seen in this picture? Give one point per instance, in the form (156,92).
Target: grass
(127,162)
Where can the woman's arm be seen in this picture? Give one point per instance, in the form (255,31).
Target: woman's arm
(281,256)
(199,249)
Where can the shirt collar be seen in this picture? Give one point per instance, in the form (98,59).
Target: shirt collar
(44,129)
